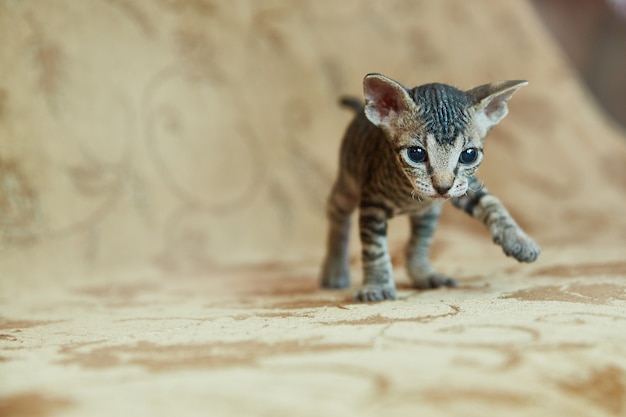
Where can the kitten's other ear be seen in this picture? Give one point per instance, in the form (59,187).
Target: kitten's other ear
(490,100)
(385,99)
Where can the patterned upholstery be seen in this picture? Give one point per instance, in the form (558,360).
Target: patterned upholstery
(164,167)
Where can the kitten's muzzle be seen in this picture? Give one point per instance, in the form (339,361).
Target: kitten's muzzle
(442,189)
(448,191)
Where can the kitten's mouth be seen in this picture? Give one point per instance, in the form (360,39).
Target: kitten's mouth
(430,197)
(439,197)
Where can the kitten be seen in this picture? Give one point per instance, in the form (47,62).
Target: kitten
(406,152)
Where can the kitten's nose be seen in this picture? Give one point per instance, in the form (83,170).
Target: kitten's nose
(442,181)
(442,189)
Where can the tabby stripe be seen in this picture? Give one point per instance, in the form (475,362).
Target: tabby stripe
(377,205)
(337,213)
(369,256)
(374,225)
(373,233)
(371,240)
(426,226)
(474,201)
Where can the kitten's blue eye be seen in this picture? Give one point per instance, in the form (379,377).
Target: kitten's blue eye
(468,156)
(416,154)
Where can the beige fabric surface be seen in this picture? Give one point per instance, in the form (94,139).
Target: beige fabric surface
(164,167)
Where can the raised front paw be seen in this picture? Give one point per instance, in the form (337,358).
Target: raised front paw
(372,292)
(517,244)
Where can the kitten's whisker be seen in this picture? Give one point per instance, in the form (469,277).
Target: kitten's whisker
(413,195)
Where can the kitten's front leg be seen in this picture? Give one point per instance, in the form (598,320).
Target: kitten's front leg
(377,269)
(482,205)
(417,261)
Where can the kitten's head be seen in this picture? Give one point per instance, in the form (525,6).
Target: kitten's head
(437,130)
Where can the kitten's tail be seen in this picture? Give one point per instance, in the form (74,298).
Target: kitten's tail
(353,103)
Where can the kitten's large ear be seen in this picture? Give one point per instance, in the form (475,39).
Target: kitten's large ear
(385,99)
(490,101)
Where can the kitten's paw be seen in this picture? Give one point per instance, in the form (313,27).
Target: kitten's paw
(372,292)
(336,283)
(517,244)
(335,276)
(434,280)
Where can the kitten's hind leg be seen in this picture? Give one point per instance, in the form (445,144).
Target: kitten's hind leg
(336,267)
(417,251)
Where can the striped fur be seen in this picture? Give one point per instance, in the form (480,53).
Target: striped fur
(379,174)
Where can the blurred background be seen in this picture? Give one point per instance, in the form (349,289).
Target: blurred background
(593,35)
(185,136)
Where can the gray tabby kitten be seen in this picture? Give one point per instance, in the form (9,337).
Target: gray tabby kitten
(406,152)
